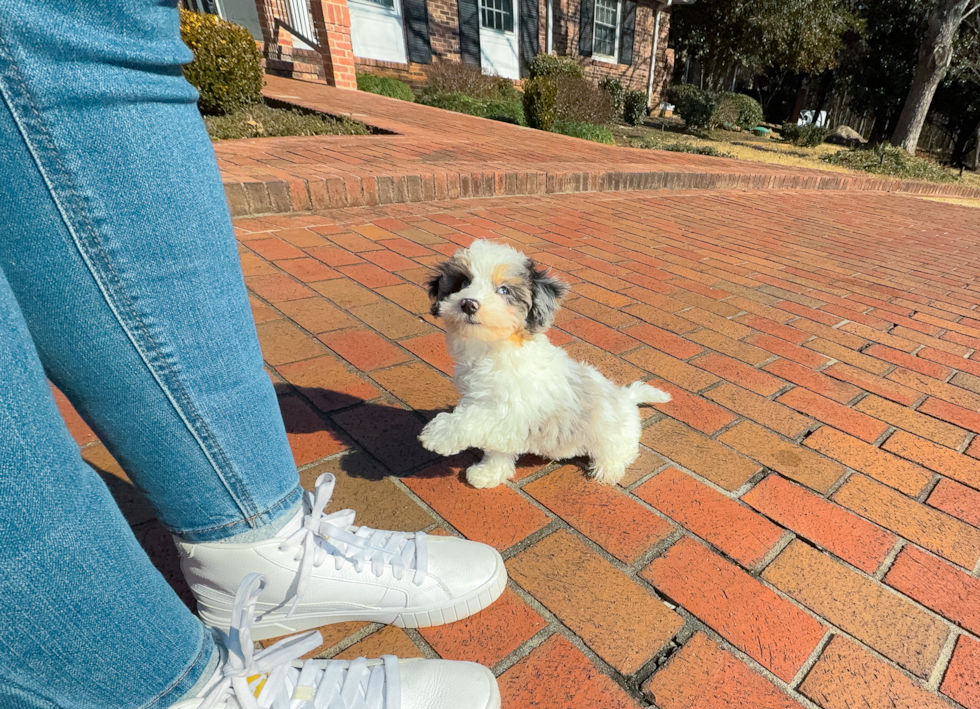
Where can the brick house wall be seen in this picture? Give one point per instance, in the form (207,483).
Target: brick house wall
(634,76)
(284,59)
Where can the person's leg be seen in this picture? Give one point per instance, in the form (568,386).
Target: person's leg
(118,246)
(117,242)
(86,622)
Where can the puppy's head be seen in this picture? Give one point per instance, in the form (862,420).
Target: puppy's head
(491,292)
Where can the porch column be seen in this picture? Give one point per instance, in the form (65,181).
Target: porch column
(332,21)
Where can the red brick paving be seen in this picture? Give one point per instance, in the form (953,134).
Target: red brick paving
(803,527)
(470,157)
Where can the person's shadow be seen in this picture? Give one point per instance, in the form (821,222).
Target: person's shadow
(383,439)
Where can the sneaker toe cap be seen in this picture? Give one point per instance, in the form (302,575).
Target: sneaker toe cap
(445,684)
(463,566)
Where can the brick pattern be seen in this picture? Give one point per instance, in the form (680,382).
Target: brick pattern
(445,43)
(796,531)
(473,157)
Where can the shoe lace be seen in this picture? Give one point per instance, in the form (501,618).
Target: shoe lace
(271,678)
(333,536)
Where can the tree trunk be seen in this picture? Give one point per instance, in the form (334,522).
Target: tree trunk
(935,54)
(976,155)
(961,146)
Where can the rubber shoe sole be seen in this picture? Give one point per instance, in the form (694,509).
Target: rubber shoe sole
(274,624)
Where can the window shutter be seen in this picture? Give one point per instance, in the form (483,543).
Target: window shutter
(469,31)
(585,27)
(627,29)
(417,31)
(529,33)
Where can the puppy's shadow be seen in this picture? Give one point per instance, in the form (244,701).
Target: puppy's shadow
(381,432)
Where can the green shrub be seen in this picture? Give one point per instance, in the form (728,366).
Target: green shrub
(506,111)
(384,86)
(565,98)
(695,106)
(227,67)
(541,102)
(658,141)
(805,136)
(495,108)
(456,77)
(888,160)
(702,110)
(614,88)
(262,121)
(587,131)
(694,149)
(553,65)
(634,107)
(749,111)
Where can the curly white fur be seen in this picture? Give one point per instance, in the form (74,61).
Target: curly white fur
(519,393)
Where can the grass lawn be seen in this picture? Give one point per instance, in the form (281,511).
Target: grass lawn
(264,121)
(656,133)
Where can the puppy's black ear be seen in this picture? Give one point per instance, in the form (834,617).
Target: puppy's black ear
(546,294)
(433,285)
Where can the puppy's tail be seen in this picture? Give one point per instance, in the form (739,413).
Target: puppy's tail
(642,393)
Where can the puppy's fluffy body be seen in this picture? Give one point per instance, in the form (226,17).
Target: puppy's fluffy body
(519,393)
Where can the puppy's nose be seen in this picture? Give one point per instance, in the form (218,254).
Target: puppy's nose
(469,306)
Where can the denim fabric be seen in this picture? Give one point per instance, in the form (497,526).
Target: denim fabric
(116,240)
(119,275)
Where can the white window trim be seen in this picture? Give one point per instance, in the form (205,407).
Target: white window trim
(614,59)
(514,19)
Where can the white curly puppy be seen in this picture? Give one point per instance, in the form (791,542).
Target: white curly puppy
(521,394)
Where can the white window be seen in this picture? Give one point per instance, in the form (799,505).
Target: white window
(497,15)
(606,32)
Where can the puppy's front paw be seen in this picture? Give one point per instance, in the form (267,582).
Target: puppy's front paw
(438,437)
(483,476)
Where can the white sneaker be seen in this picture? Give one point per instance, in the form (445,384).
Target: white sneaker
(273,677)
(322,570)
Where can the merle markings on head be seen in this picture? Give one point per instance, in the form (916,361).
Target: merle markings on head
(490,291)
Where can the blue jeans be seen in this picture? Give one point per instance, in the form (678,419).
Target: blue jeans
(120,282)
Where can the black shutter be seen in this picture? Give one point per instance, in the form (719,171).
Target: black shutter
(417,31)
(469,31)
(627,29)
(586,21)
(529,33)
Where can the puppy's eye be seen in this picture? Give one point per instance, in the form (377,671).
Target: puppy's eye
(503,290)
(464,284)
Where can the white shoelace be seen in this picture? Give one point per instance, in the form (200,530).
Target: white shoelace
(332,536)
(271,679)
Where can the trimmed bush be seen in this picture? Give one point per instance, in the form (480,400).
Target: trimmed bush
(695,106)
(227,67)
(586,131)
(614,88)
(804,136)
(456,77)
(888,160)
(553,65)
(384,86)
(702,110)
(541,102)
(634,107)
(495,108)
(548,99)
(748,110)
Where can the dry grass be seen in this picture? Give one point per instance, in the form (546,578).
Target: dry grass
(961,201)
(744,146)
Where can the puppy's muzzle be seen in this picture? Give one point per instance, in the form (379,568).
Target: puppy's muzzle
(469,306)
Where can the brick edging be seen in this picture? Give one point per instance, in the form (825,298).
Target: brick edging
(315,194)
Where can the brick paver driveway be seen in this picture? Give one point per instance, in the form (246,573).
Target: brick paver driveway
(803,527)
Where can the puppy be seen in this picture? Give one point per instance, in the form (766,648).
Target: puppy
(521,394)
